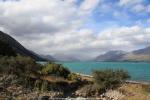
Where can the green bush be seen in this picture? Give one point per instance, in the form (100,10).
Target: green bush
(22,67)
(109,78)
(56,70)
(19,65)
(74,77)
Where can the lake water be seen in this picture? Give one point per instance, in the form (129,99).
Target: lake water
(139,71)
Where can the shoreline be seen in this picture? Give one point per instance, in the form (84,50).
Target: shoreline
(137,82)
(127,81)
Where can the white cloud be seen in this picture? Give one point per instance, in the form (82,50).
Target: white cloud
(88,6)
(129,2)
(56,26)
(148,20)
(38,17)
(140,8)
(126,36)
(136,6)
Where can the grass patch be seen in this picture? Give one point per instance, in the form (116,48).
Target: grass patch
(135,92)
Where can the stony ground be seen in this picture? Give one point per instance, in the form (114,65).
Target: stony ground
(135,92)
(9,90)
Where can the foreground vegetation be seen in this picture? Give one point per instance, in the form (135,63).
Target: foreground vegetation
(135,91)
(109,78)
(30,73)
(47,79)
(24,71)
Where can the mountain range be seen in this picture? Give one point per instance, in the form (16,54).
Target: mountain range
(117,55)
(64,57)
(12,45)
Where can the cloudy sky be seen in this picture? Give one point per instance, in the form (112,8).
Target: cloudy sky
(82,28)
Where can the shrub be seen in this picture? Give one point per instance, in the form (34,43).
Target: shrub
(19,65)
(109,78)
(44,86)
(74,77)
(56,70)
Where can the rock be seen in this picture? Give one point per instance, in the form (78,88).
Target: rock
(114,95)
(43,98)
(57,95)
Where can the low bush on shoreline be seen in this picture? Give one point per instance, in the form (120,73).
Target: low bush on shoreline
(109,78)
(74,77)
(56,70)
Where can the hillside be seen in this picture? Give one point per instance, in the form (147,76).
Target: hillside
(13,45)
(49,57)
(63,57)
(136,55)
(111,56)
(6,50)
(143,51)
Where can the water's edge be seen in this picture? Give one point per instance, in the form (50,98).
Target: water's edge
(139,71)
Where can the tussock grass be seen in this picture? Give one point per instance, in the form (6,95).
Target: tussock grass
(135,92)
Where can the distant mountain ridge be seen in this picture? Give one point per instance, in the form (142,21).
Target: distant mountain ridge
(9,45)
(111,56)
(63,57)
(18,48)
(142,51)
(48,57)
(136,55)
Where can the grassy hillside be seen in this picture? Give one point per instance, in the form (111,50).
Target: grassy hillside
(139,57)
(14,45)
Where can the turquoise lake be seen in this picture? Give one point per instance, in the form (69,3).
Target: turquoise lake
(139,71)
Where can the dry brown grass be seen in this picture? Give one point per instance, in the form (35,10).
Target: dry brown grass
(134,92)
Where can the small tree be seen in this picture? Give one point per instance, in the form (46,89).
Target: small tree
(74,77)
(55,69)
(109,78)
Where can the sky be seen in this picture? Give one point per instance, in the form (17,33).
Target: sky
(80,28)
